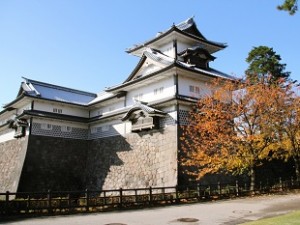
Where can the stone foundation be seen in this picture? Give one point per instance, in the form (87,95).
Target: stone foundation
(54,163)
(11,163)
(137,160)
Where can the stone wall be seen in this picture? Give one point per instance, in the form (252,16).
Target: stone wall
(143,159)
(11,163)
(54,163)
(40,163)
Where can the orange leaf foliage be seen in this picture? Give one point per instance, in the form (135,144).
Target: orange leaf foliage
(232,129)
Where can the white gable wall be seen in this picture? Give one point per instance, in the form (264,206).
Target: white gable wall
(148,67)
(155,91)
(25,107)
(168,50)
(106,109)
(201,88)
(182,46)
(107,129)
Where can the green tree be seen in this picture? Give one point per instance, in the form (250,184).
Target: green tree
(290,6)
(265,66)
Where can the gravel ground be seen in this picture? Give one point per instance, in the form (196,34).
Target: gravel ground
(222,212)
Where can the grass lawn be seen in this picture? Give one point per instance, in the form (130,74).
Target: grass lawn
(288,219)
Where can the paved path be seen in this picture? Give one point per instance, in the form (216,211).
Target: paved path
(223,212)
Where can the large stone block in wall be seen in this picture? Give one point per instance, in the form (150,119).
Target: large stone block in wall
(54,163)
(138,160)
(12,155)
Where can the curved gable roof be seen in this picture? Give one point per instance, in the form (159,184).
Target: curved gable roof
(142,107)
(153,55)
(187,28)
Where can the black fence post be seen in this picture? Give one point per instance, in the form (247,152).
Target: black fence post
(219,188)
(121,198)
(87,202)
(28,204)
(176,194)
(150,195)
(7,202)
(280,184)
(260,186)
(136,195)
(69,202)
(237,188)
(199,190)
(104,196)
(49,200)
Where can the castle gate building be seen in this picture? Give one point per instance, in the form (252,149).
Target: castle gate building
(127,136)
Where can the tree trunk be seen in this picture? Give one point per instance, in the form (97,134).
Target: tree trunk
(252,180)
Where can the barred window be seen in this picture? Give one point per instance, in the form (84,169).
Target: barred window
(56,110)
(66,129)
(46,126)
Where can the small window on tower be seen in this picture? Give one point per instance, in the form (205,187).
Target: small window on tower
(106,128)
(66,129)
(194,89)
(158,90)
(56,110)
(94,130)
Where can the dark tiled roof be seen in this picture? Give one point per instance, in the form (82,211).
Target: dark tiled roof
(54,92)
(187,27)
(149,110)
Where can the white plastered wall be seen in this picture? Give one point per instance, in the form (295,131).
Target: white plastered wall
(66,109)
(148,91)
(184,84)
(59,123)
(107,109)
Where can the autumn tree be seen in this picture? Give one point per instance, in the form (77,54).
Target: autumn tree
(290,6)
(265,66)
(289,128)
(231,129)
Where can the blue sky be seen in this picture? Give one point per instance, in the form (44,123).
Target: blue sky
(81,44)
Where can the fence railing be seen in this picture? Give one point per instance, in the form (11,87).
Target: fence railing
(54,202)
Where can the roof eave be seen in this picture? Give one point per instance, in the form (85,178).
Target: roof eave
(118,95)
(90,94)
(131,50)
(21,96)
(138,66)
(208,74)
(43,114)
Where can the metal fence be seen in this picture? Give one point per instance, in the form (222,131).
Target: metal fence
(54,202)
